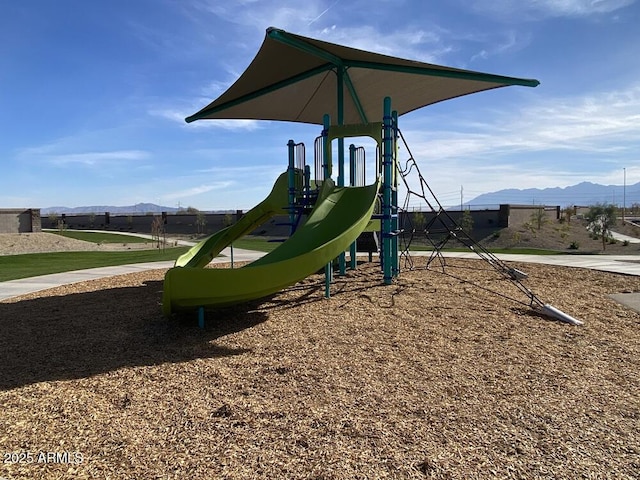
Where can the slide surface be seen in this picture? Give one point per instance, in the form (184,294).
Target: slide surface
(201,254)
(339,216)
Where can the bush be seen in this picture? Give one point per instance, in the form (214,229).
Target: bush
(625,243)
(574,245)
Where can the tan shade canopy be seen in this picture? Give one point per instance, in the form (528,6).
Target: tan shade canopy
(299,79)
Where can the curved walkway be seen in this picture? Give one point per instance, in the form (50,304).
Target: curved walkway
(622,264)
(23,286)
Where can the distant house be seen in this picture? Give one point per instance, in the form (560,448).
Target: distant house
(20,220)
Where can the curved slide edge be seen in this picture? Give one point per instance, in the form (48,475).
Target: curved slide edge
(201,254)
(338,218)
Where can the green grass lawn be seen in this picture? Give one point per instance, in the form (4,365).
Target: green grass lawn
(32,264)
(100,237)
(262,245)
(13,267)
(29,265)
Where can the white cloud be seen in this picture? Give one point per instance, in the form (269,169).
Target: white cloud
(558,142)
(169,114)
(424,44)
(194,191)
(598,123)
(258,14)
(579,7)
(540,9)
(500,43)
(232,125)
(51,155)
(179,116)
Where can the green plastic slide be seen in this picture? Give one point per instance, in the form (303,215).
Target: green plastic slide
(339,216)
(201,254)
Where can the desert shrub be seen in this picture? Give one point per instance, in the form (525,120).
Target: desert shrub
(574,245)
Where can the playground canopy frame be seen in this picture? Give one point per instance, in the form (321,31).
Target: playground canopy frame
(300,79)
(346,90)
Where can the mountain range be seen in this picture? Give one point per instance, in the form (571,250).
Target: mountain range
(139,208)
(582,194)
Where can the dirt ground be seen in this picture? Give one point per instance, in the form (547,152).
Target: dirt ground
(571,237)
(428,378)
(42,242)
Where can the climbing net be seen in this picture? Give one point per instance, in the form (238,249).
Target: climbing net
(440,230)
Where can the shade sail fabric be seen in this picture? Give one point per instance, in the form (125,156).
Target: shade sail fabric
(294,78)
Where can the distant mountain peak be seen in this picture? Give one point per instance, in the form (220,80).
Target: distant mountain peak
(583,193)
(138,208)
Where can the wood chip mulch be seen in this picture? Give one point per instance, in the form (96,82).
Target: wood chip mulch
(427,378)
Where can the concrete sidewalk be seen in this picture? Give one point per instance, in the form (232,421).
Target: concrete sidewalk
(23,286)
(623,264)
(146,236)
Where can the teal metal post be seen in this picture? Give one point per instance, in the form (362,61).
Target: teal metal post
(387,171)
(292,184)
(340,96)
(307,183)
(201,317)
(326,151)
(352,181)
(395,269)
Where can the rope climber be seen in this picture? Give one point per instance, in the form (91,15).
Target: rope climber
(442,229)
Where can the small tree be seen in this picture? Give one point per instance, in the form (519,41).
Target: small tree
(61,226)
(157,231)
(227,220)
(601,218)
(201,221)
(567,212)
(467,222)
(419,221)
(539,218)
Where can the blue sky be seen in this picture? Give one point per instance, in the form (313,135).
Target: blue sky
(93,95)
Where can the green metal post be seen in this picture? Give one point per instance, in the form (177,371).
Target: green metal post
(326,151)
(352,181)
(387,167)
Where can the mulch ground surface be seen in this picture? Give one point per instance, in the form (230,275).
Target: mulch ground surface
(428,378)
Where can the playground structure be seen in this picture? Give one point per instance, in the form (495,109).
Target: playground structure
(326,216)
(325,219)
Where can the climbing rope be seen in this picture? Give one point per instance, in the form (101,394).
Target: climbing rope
(441,229)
